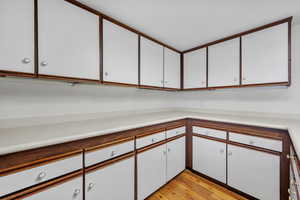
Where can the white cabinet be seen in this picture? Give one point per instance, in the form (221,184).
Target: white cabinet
(70,190)
(171,69)
(175,157)
(68,40)
(209,158)
(254,172)
(151,66)
(112,182)
(17,35)
(195,69)
(120,54)
(224,63)
(151,171)
(265,56)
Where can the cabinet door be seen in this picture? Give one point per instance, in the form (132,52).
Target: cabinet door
(151,63)
(151,171)
(175,157)
(209,158)
(71,190)
(265,56)
(224,63)
(120,54)
(68,40)
(254,172)
(171,69)
(113,182)
(195,69)
(17,35)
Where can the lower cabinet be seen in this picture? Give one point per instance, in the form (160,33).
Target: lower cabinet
(209,158)
(70,190)
(254,172)
(112,182)
(157,166)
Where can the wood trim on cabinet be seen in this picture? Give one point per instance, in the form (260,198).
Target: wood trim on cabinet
(175,137)
(108,162)
(4,73)
(101,48)
(290,51)
(157,88)
(119,84)
(150,132)
(105,145)
(44,186)
(210,138)
(181,71)
(151,146)
(139,60)
(68,79)
(175,126)
(289,19)
(189,144)
(96,12)
(207,62)
(285,167)
(241,61)
(37,163)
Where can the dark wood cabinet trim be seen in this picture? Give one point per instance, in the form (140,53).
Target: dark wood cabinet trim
(141,150)
(150,132)
(181,71)
(285,167)
(96,12)
(289,20)
(158,88)
(290,51)
(109,162)
(44,186)
(4,73)
(175,126)
(120,84)
(209,138)
(68,79)
(102,146)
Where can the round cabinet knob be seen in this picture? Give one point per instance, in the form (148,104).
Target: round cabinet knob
(153,140)
(91,186)
(26,60)
(113,153)
(41,175)
(251,142)
(76,192)
(44,63)
(106,73)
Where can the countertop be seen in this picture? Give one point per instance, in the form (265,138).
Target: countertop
(23,134)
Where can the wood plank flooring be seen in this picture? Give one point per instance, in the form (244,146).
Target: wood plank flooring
(189,186)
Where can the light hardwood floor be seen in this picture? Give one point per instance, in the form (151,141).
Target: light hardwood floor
(189,186)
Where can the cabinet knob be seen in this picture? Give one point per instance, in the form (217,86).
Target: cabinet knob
(44,63)
(26,60)
(113,153)
(106,73)
(251,142)
(91,186)
(41,175)
(153,140)
(76,192)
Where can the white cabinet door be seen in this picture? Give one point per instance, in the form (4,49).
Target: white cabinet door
(195,69)
(175,157)
(17,35)
(224,63)
(209,158)
(120,54)
(151,171)
(152,57)
(254,172)
(265,56)
(113,182)
(171,69)
(68,40)
(70,190)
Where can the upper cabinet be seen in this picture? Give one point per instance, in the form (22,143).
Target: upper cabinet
(265,56)
(152,62)
(68,41)
(171,69)
(120,54)
(224,63)
(195,69)
(17,36)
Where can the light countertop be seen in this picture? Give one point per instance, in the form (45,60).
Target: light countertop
(33,135)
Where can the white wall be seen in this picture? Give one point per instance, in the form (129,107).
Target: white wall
(33,98)
(265,99)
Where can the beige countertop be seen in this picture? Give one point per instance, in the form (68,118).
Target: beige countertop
(22,134)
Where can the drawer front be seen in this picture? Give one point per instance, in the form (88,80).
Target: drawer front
(209,132)
(70,190)
(175,132)
(266,143)
(97,156)
(151,139)
(20,180)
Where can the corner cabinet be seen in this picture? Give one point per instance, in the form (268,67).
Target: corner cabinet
(17,36)
(195,69)
(120,54)
(265,56)
(172,74)
(151,63)
(68,41)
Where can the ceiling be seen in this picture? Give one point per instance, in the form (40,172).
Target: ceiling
(184,24)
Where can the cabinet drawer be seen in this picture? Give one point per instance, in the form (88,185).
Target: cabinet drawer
(266,143)
(97,156)
(20,180)
(175,132)
(209,132)
(151,139)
